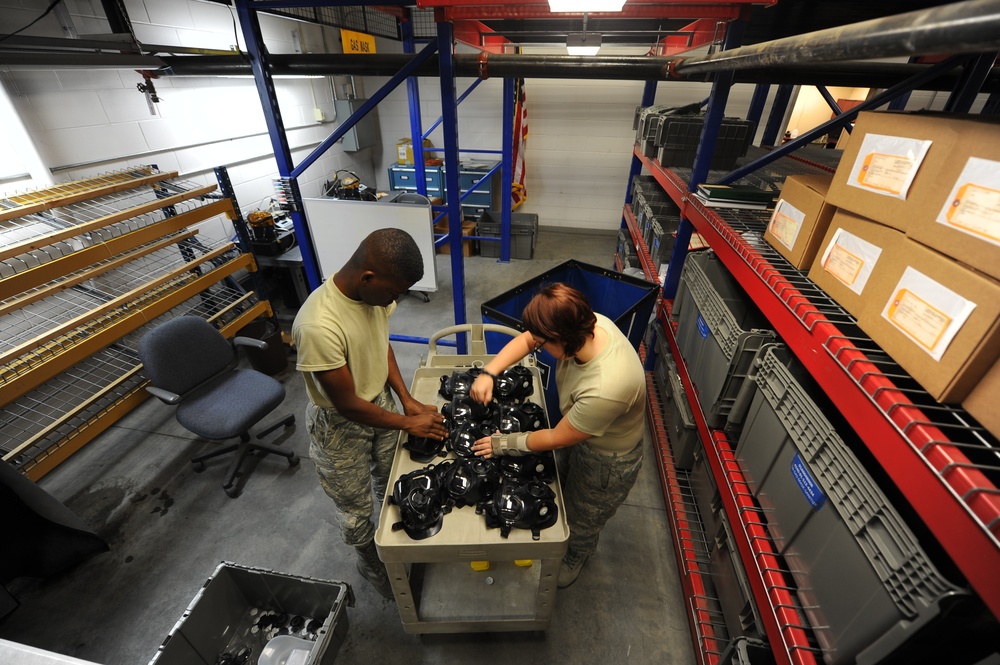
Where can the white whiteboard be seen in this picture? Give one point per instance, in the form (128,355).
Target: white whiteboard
(338,226)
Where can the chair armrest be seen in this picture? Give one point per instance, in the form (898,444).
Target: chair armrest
(250,341)
(163,395)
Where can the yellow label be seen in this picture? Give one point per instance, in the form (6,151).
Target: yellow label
(843,265)
(357,42)
(885,173)
(784,228)
(976,210)
(919,319)
(697,242)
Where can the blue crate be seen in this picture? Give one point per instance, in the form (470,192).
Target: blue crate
(626,300)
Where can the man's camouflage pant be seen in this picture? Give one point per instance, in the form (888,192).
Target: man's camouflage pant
(351,460)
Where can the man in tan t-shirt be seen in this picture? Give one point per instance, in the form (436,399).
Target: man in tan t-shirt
(341,338)
(602,396)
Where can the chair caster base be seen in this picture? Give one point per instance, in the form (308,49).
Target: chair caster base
(293,460)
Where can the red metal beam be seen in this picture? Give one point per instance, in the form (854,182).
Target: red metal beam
(701,32)
(480,36)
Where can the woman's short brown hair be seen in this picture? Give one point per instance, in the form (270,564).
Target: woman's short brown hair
(560,313)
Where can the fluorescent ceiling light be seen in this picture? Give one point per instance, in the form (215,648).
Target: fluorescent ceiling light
(581,6)
(583,43)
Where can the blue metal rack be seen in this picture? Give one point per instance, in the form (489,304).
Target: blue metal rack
(289,172)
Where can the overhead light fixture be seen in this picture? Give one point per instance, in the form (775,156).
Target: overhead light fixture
(583,43)
(579,6)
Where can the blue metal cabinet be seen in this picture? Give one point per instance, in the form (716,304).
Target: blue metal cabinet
(405,178)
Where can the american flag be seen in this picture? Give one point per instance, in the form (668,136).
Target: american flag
(518,194)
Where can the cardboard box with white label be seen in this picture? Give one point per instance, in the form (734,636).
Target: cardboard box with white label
(935,317)
(800,219)
(900,168)
(966,225)
(848,259)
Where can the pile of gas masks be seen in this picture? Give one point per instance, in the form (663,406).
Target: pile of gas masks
(510,492)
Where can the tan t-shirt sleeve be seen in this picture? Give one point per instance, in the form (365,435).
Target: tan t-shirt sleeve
(593,415)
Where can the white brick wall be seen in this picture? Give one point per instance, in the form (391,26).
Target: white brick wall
(98,119)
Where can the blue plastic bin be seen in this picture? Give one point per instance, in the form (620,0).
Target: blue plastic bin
(626,300)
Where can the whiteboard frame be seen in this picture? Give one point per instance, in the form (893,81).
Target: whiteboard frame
(337,227)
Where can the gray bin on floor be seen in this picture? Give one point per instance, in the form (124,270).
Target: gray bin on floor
(222,616)
(719,331)
(523,234)
(866,584)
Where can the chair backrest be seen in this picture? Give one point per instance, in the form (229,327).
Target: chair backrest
(183,353)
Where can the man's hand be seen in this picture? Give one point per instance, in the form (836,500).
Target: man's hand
(429,424)
(482,389)
(412,407)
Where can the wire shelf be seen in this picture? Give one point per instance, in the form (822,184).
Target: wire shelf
(47,196)
(71,303)
(78,296)
(690,543)
(83,389)
(34,232)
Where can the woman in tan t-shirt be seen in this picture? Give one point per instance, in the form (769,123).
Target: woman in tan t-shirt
(602,397)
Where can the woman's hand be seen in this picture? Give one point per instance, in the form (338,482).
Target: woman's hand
(484,447)
(482,389)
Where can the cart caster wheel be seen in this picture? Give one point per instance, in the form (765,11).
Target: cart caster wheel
(293,460)
(233,491)
(198,466)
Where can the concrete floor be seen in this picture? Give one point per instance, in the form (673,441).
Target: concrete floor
(169,527)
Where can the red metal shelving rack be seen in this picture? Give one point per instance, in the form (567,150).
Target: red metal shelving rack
(901,426)
(783,621)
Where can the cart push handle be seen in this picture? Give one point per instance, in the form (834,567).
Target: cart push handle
(477,340)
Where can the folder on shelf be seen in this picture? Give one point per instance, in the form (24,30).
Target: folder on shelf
(734,196)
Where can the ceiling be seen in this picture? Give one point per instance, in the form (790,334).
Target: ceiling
(765,23)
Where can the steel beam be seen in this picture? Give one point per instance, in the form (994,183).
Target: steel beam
(962,27)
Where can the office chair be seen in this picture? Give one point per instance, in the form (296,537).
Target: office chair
(192,365)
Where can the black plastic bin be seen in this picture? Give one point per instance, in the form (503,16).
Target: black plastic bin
(626,300)
(273,359)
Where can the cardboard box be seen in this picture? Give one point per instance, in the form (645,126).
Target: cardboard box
(468,229)
(800,219)
(848,260)
(899,168)
(965,224)
(935,317)
(982,401)
(404,150)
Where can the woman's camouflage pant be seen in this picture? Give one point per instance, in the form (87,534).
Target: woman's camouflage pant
(594,486)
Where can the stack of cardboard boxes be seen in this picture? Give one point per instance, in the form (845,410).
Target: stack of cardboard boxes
(906,237)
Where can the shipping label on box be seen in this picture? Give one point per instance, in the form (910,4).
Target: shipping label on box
(785,223)
(850,259)
(973,206)
(929,313)
(887,165)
